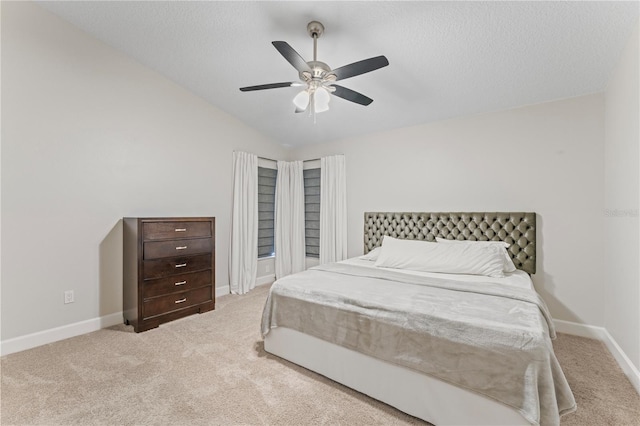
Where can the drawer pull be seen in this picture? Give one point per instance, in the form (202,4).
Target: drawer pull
(181,247)
(181,300)
(181,283)
(181,229)
(181,265)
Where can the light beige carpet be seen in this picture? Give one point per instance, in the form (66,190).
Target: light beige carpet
(212,369)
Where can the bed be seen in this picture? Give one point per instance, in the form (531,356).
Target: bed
(448,348)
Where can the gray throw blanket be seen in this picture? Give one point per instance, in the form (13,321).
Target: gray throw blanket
(492,339)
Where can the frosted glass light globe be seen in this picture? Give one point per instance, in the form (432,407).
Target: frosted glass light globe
(301,100)
(321,100)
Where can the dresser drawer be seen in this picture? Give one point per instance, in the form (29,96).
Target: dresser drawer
(175,283)
(173,266)
(172,230)
(172,248)
(172,302)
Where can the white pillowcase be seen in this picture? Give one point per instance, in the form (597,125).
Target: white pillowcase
(446,258)
(508,262)
(372,255)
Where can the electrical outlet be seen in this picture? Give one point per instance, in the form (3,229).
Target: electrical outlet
(68,296)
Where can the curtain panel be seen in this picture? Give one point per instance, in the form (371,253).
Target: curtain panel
(243,258)
(289,227)
(333,209)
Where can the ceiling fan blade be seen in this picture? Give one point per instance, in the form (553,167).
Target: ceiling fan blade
(291,55)
(351,95)
(267,86)
(360,67)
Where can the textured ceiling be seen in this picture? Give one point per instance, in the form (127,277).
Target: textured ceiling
(447,59)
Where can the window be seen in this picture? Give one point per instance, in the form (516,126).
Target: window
(312,212)
(266,209)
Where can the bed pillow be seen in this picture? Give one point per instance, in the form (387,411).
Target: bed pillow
(508,262)
(372,255)
(445,258)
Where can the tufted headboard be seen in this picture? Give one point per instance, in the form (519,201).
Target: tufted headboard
(517,229)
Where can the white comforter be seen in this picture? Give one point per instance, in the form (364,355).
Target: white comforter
(491,338)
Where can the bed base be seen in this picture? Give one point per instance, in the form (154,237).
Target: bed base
(414,393)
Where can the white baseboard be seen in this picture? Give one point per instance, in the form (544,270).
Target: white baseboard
(623,360)
(44,337)
(222,291)
(603,335)
(577,329)
(266,279)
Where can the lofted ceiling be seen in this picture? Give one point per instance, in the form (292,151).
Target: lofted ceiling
(447,59)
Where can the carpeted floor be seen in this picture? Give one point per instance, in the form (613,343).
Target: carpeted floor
(212,369)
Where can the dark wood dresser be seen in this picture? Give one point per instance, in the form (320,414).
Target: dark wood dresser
(168,269)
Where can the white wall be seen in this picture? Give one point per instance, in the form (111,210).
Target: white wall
(545,158)
(90,136)
(622,161)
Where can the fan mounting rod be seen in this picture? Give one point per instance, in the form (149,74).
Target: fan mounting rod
(315,30)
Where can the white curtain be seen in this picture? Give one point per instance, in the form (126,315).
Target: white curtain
(243,259)
(289,226)
(333,209)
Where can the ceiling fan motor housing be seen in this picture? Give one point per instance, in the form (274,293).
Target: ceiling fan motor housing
(319,71)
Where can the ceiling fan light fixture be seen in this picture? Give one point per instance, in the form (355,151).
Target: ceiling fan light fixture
(321,100)
(301,100)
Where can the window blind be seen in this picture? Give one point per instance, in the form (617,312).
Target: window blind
(312,212)
(266,210)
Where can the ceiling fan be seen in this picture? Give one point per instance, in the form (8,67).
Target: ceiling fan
(318,79)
